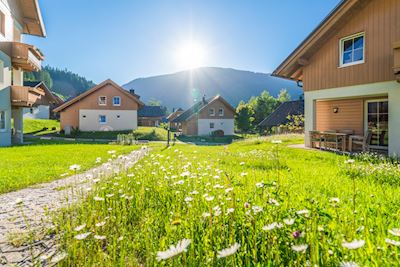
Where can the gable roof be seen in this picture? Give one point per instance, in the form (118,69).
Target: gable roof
(292,67)
(151,111)
(179,110)
(199,106)
(94,89)
(279,115)
(52,98)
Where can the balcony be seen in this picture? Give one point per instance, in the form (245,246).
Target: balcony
(24,56)
(396,60)
(25,96)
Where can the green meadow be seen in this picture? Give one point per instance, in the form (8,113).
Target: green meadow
(255,202)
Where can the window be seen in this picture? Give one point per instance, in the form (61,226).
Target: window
(352,50)
(2,120)
(102,119)
(377,121)
(2,23)
(221,112)
(84,116)
(117,101)
(211,125)
(102,100)
(211,112)
(118,116)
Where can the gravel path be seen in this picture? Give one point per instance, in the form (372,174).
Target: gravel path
(25,215)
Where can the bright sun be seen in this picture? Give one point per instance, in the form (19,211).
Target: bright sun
(190,55)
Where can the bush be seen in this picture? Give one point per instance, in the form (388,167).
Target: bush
(217,133)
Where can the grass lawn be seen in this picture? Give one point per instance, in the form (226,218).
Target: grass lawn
(36,126)
(198,140)
(21,166)
(271,205)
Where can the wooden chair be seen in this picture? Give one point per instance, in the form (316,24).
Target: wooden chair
(362,141)
(331,142)
(315,137)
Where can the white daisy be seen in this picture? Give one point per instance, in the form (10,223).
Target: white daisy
(300,248)
(209,198)
(355,244)
(257,209)
(180,247)
(348,264)
(392,242)
(82,236)
(288,221)
(335,200)
(79,228)
(395,231)
(276,141)
(260,185)
(230,210)
(272,226)
(228,190)
(96,198)
(241,163)
(100,224)
(100,237)
(75,167)
(228,251)
(302,212)
(206,214)
(349,161)
(188,199)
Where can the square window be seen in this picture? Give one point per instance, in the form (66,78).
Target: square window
(221,112)
(84,116)
(102,100)
(352,49)
(211,125)
(118,116)
(116,101)
(2,120)
(211,112)
(102,119)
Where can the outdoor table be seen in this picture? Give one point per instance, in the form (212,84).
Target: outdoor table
(337,137)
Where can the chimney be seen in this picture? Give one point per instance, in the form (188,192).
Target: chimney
(132,91)
(204,99)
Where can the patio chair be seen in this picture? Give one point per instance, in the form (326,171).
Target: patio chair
(359,140)
(315,138)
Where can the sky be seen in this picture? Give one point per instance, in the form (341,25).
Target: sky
(125,39)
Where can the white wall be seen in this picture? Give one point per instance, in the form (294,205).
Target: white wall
(227,125)
(127,120)
(390,89)
(40,112)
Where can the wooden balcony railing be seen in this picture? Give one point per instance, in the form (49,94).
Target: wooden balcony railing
(396,60)
(24,56)
(25,96)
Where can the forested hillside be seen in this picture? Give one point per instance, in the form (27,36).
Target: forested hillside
(61,81)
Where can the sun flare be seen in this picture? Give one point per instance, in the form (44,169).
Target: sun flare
(190,55)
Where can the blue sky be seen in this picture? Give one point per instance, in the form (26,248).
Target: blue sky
(125,39)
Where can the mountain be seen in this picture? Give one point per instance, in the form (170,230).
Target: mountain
(181,88)
(63,82)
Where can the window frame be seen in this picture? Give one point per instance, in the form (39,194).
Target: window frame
(341,50)
(105,117)
(105,100)
(116,97)
(223,112)
(213,112)
(212,125)
(5,121)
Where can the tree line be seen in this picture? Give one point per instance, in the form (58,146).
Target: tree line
(250,114)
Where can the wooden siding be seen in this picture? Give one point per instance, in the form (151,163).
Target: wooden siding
(349,117)
(217,104)
(190,126)
(380,20)
(70,115)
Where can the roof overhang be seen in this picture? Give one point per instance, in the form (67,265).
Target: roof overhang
(32,18)
(94,89)
(292,67)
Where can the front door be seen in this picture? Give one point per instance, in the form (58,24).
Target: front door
(377,121)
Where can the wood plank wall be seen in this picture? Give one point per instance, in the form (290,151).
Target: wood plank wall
(380,20)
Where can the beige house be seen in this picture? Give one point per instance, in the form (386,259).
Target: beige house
(18,17)
(208,116)
(350,70)
(105,107)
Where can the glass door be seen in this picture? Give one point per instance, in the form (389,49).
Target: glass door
(377,121)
